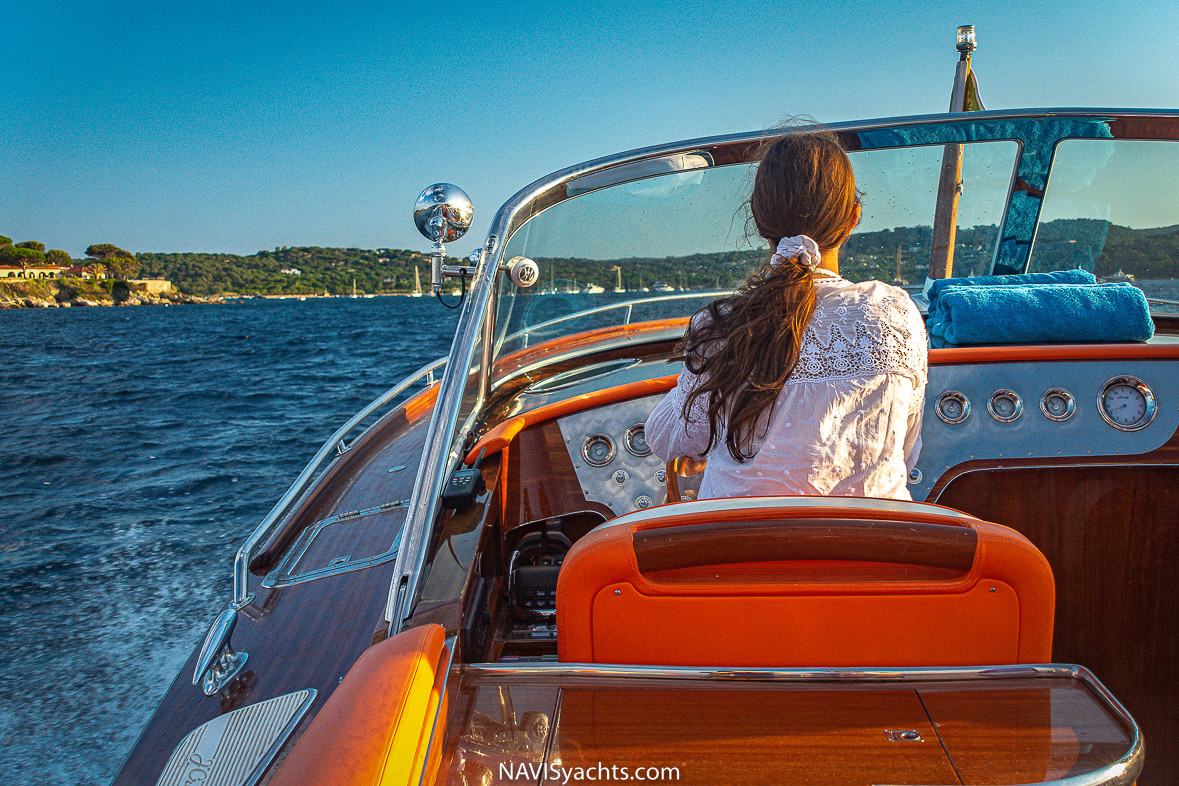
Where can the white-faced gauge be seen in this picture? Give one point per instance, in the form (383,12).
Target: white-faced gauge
(1126,403)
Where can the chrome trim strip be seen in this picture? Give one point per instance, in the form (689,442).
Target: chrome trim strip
(627,304)
(444,441)
(241,561)
(284,574)
(771,674)
(255,777)
(602,346)
(436,738)
(669,513)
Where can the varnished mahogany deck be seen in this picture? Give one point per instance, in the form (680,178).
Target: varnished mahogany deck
(734,732)
(309,635)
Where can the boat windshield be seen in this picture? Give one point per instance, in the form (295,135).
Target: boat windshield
(1112,208)
(662,246)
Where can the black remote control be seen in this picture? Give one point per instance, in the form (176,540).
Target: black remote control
(464,486)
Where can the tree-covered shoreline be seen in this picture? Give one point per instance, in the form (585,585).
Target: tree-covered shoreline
(1100,246)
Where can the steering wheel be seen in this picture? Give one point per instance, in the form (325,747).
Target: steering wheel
(682,467)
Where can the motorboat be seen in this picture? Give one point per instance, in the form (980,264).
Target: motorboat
(485,576)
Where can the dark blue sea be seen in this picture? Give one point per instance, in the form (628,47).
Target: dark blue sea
(140,446)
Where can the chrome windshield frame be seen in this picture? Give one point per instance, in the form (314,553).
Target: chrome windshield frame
(1033,128)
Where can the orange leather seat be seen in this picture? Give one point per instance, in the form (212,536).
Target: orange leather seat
(804,582)
(375,728)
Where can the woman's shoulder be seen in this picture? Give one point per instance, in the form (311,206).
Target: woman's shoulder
(883,314)
(874,297)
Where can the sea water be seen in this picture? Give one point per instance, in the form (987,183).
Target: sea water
(139,447)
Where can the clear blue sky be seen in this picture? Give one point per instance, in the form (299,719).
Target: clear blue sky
(239,126)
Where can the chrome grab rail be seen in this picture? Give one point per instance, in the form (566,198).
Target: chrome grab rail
(241,561)
(1121,772)
(627,304)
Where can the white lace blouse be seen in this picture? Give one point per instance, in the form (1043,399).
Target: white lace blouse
(848,420)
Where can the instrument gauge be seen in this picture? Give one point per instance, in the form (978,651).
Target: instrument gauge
(1005,406)
(1057,404)
(598,450)
(1126,403)
(636,441)
(952,407)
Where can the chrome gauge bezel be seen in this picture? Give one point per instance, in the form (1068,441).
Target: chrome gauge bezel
(630,434)
(1005,393)
(1141,387)
(956,396)
(590,440)
(1068,399)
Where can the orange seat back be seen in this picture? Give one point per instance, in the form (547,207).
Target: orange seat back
(804,582)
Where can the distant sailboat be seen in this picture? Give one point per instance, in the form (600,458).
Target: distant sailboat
(354,295)
(417,283)
(618,285)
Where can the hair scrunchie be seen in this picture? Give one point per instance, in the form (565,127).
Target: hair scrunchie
(799,247)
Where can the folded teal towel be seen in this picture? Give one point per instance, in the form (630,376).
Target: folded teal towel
(1040,313)
(1077,276)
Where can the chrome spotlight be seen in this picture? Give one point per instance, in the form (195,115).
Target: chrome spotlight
(442,213)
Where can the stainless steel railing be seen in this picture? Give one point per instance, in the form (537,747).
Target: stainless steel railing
(627,304)
(335,446)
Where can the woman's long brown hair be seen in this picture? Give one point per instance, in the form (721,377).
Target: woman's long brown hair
(743,347)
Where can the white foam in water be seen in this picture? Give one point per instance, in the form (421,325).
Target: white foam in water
(141,447)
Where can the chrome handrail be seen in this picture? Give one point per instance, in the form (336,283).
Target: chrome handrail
(628,304)
(241,561)
(1159,301)
(1121,772)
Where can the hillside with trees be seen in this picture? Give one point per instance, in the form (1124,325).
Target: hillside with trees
(289,271)
(1093,244)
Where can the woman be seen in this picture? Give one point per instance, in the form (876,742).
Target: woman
(800,382)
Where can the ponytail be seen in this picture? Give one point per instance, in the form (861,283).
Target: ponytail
(743,347)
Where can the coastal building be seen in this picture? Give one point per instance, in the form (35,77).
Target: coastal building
(29,273)
(153,286)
